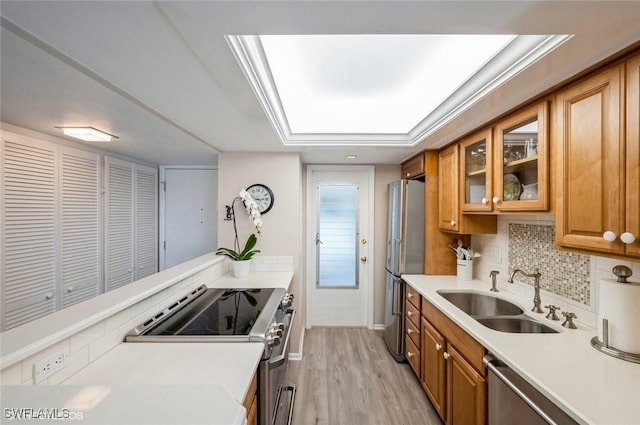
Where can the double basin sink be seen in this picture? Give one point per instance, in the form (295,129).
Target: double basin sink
(495,313)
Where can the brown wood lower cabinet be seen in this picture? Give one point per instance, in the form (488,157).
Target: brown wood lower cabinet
(466,391)
(250,402)
(433,367)
(452,371)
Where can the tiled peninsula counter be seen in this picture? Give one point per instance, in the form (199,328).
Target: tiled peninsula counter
(175,378)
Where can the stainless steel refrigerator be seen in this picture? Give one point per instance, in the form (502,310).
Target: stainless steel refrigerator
(405,255)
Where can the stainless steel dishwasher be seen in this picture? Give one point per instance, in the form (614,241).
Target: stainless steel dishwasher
(512,400)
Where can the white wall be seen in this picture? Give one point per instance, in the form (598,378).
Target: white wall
(383,175)
(281,234)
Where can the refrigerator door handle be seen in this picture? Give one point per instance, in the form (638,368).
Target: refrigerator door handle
(398,256)
(396,308)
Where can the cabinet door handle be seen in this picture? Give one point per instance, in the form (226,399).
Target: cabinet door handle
(410,331)
(445,355)
(410,354)
(609,236)
(453,222)
(410,295)
(410,313)
(628,238)
(496,200)
(438,347)
(485,201)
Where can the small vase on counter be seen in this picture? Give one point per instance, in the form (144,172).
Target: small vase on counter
(241,268)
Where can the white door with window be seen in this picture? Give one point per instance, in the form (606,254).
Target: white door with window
(340,243)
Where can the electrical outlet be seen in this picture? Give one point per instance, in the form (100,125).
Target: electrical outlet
(49,365)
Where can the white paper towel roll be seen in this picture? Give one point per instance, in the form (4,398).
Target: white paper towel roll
(619,303)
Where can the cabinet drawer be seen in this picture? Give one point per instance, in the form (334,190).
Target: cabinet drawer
(413,296)
(468,347)
(413,332)
(413,355)
(413,314)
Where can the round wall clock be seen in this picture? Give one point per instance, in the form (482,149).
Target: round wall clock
(263,197)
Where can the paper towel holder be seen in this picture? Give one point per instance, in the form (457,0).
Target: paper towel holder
(605,348)
(623,273)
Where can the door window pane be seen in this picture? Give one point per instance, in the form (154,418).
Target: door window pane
(337,236)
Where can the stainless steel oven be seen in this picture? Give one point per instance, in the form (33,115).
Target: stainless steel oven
(235,315)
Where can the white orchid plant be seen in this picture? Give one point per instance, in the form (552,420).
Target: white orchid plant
(247,252)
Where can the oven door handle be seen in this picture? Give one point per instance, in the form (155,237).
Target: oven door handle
(279,360)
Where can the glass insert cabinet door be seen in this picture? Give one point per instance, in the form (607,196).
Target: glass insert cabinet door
(521,161)
(477,171)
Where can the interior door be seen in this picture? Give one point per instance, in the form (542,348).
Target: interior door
(189,227)
(339,247)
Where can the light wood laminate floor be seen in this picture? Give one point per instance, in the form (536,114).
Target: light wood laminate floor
(347,377)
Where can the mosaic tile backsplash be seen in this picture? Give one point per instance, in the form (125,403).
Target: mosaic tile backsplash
(563,273)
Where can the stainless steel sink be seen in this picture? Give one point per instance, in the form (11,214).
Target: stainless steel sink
(518,325)
(481,305)
(495,313)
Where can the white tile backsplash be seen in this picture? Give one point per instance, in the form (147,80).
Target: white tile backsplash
(91,343)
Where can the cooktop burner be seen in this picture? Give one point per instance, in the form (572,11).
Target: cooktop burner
(216,312)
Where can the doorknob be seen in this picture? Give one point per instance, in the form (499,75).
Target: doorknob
(363,259)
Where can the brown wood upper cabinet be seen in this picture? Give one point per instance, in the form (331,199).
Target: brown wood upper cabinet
(597,162)
(450,217)
(521,171)
(507,169)
(413,167)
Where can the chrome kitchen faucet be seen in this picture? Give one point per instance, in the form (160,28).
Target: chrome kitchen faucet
(536,286)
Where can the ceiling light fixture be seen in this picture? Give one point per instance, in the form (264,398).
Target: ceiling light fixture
(88,134)
(351,156)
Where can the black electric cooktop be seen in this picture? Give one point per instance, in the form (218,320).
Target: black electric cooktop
(216,312)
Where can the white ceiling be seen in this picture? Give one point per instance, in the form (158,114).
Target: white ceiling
(161,76)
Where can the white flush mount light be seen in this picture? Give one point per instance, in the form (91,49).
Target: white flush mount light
(351,156)
(377,89)
(88,134)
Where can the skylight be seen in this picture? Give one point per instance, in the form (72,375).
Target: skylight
(377,89)
(371,84)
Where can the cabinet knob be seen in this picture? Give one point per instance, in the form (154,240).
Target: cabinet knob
(408,174)
(453,222)
(438,347)
(410,331)
(410,295)
(49,296)
(410,313)
(495,200)
(410,354)
(609,236)
(445,355)
(70,289)
(484,201)
(628,237)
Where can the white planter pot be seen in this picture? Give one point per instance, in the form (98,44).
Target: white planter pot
(241,268)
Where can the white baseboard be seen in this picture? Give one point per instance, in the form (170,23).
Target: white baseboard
(378,327)
(298,356)
(295,357)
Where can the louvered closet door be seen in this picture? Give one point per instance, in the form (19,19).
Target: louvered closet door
(146,201)
(29,226)
(80,248)
(118,224)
